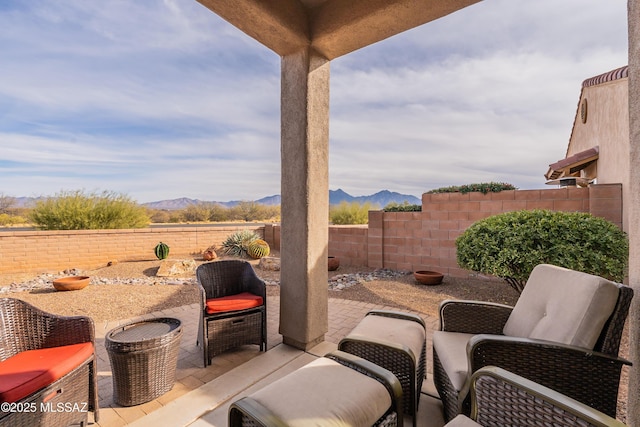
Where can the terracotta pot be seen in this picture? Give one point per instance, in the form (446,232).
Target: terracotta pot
(334,263)
(71,283)
(428,277)
(209,255)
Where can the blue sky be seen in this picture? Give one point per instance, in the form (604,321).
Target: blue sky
(160,99)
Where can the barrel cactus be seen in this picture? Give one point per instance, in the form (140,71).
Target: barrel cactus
(162,250)
(258,249)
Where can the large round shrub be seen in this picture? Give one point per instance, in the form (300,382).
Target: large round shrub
(76,210)
(510,245)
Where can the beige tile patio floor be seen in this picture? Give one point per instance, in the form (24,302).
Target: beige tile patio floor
(201,395)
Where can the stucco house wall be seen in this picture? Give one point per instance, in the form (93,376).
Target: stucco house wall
(602,120)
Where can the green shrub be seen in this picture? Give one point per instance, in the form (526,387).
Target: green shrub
(196,213)
(74,210)
(404,207)
(7,219)
(350,213)
(252,211)
(484,188)
(238,243)
(510,245)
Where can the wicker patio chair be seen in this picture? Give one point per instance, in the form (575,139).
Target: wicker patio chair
(234,310)
(501,398)
(338,389)
(54,344)
(563,333)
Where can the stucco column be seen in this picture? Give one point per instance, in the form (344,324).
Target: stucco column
(633,408)
(305,199)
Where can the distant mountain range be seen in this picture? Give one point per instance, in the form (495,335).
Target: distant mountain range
(379,199)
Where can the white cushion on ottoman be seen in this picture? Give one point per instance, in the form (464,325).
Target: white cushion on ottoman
(326,393)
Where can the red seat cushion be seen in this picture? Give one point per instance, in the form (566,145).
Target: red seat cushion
(32,370)
(233,302)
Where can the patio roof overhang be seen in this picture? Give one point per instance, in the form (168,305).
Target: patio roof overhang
(308,34)
(331,27)
(573,164)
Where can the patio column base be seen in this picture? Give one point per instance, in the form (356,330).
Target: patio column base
(305,346)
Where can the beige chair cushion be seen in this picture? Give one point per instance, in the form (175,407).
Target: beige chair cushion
(325,393)
(462,421)
(398,331)
(451,348)
(562,305)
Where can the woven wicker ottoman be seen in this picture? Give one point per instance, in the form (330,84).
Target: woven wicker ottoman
(143,356)
(339,389)
(397,342)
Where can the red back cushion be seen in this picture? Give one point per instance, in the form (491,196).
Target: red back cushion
(240,301)
(30,371)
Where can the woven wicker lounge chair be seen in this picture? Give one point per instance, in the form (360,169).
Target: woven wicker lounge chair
(47,367)
(564,333)
(234,310)
(500,398)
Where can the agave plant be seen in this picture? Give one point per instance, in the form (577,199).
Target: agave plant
(238,243)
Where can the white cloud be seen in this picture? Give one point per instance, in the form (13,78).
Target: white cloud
(163,99)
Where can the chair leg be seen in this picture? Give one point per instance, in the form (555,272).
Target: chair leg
(205,343)
(264,331)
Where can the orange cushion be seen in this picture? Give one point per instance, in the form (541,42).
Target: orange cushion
(32,370)
(233,302)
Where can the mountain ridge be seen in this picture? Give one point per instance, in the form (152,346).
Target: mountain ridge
(380,199)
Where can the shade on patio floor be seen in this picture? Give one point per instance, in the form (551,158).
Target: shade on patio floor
(198,391)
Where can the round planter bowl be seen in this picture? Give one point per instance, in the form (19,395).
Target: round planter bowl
(333,263)
(71,283)
(428,277)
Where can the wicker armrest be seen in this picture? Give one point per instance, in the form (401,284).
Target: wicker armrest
(259,415)
(473,317)
(585,375)
(385,377)
(503,398)
(397,315)
(252,283)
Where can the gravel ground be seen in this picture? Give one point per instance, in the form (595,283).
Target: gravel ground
(129,289)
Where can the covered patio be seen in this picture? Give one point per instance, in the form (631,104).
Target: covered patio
(202,396)
(307,35)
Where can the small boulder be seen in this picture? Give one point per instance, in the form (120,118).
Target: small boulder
(270,263)
(176,267)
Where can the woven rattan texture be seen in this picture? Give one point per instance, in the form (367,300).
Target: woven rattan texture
(589,377)
(502,404)
(225,334)
(69,405)
(471,317)
(223,331)
(410,372)
(24,327)
(143,370)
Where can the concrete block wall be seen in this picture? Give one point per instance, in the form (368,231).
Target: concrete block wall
(50,251)
(426,240)
(349,243)
(395,240)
